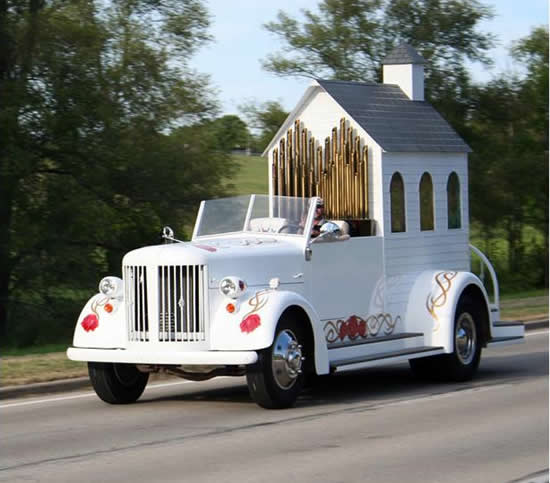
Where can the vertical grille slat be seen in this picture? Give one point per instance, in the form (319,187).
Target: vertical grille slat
(136,303)
(181,311)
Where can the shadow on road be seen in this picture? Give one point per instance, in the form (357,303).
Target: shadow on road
(381,384)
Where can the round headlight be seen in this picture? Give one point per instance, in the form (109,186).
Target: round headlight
(111,287)
(232,287)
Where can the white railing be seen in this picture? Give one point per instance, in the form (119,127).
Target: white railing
(486,263)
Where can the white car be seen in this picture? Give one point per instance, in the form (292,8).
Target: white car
(254,294)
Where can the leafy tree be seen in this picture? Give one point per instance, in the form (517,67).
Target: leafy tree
(266,119)
(348,39)
(90,91)
(230,132)
(509,165)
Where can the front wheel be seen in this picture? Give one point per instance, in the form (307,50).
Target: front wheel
(117,383)
(277,378)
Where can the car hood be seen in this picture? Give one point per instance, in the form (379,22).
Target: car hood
(255,260)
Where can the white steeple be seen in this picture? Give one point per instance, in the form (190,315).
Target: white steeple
(404,66)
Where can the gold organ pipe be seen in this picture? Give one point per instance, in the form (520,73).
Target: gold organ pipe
(319,171)
(337,171)
(311,168)
(366,212)
(282,173)
(305,169)
(275,171)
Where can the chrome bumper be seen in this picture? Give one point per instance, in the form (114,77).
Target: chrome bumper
(214,358)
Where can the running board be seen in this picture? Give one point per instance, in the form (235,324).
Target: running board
(508,324)
(384,358)
(502,331)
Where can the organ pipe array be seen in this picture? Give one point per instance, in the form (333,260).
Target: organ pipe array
(337,171)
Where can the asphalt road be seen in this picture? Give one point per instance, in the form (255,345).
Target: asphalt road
(371,426)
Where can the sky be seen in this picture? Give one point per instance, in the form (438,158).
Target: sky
(233,59)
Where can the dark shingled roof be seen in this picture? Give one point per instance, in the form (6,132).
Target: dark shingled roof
(403,54)
(395,122)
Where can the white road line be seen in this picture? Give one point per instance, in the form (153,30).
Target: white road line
(538,332)
(88,394)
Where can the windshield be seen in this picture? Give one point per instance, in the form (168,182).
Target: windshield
(253,214)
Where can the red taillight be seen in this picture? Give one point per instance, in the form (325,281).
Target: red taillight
(230,308)
(108,308)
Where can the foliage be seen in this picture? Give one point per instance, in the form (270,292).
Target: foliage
(348,39)
(266,119)
(230,132)
(509,165)
(90,164)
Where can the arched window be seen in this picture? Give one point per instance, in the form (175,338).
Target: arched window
(426,203)
(453,201)
(397,202)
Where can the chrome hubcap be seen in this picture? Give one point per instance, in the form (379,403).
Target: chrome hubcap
(287,359)
(465,338)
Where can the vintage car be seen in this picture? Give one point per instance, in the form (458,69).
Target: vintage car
(388,278)
(254,294)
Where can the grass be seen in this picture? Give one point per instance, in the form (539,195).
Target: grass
(543,292)
(39,368)
(252,178)
(526,308)
(40,349)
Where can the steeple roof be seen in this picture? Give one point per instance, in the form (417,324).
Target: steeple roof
(403,54)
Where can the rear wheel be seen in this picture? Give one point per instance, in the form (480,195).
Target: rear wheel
(463,362)
(117,383)
(277,378)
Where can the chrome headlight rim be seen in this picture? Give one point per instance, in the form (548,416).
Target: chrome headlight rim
(232,287)
(111,287)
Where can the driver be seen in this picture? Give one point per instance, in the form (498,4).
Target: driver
(319,218)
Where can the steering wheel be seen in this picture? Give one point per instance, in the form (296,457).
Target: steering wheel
(289,227)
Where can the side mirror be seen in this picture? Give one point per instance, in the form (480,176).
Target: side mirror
(329,232)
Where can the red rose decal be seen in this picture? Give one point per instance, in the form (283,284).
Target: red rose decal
(90,322)
(352,328)
(250,323)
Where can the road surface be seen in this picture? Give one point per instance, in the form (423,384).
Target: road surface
(378,425)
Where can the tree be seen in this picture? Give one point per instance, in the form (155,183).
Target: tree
(230,132)
(266,119)
(509,165)
(348,39)
(90,92)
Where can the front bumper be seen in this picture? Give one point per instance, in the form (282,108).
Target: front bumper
(214,358)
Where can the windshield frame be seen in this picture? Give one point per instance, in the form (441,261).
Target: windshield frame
(254,203)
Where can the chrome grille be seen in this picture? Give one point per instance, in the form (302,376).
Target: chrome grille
(135,288)
(181,303)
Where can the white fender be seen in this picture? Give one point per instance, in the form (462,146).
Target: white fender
(252,325)
(98,328)
(433,301)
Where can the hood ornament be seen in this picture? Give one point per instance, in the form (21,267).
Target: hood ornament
(167,235)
